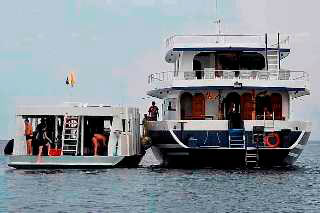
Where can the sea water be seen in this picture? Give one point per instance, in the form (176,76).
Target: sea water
(150,188)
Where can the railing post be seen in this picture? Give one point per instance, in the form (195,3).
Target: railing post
(266,41)
(279,54)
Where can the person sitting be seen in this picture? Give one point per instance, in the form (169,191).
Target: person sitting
(98,143)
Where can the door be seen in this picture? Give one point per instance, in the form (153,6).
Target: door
(198,106)
(246,106)
(186,106)
(276,102)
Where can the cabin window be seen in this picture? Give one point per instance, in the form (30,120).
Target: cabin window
(251,61)
(197,68)
(263,106)
(171,104)
(201,61)
(228,61)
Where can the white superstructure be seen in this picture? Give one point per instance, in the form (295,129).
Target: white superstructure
(211,75)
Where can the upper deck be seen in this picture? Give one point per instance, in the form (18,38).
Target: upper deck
(296,82)
(210,62)
(224,42)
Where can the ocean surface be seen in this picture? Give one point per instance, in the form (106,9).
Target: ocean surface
(150,188)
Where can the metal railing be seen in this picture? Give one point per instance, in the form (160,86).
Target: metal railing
(272,40)
(229,75)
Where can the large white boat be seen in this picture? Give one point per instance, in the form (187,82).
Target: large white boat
(71,127)
(228,102)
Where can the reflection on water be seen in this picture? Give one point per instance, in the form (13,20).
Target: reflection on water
(151,188)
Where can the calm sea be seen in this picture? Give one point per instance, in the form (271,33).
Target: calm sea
(153,189)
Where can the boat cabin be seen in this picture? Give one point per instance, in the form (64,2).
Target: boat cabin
(71,128)
(213,74)
(216,105)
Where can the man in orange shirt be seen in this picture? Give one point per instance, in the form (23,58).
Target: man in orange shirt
(28,134)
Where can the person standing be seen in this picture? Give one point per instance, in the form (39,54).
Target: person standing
(28,134)
(42,138)
(153,112)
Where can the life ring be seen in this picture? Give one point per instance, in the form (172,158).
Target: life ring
(272,140)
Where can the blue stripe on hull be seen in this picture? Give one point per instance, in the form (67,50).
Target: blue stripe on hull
(212,138)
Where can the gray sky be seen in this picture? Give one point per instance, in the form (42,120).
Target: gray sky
(113,45)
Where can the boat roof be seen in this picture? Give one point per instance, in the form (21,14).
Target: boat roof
(72,109)
(225,42)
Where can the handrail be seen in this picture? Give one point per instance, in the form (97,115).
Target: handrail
(216,38)
(271,75)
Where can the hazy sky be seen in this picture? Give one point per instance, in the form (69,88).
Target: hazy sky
(113,45)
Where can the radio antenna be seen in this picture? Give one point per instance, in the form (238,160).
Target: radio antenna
(218,23)
(218,20)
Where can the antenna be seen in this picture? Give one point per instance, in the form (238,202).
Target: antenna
(218,22)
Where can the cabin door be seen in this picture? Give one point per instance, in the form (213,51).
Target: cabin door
(276,102)
(198,106)
(246,106)
(232,98)
(186,106)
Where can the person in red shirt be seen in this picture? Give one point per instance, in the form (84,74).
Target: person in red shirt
(153,112)
(98,142)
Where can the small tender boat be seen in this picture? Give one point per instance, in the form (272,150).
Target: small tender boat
(71,127)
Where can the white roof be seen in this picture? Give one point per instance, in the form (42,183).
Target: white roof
(76,110)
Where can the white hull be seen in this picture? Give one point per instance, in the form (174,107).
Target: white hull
(34,162)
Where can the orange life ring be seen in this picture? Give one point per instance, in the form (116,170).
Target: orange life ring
(272,143)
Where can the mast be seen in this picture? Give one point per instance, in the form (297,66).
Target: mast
(218,23)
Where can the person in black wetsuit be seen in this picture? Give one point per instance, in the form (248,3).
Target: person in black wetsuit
(42,138)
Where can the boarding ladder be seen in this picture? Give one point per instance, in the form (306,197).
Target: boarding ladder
(252,156)
(236,138)
(252,152)
(70,135)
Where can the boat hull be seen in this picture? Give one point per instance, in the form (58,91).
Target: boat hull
(173,155)
(73,162)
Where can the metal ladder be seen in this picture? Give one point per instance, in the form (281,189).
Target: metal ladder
(236,138)
(273,60)
(252,153)
(70,135)
(252,156)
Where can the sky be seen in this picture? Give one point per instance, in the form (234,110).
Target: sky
(113,45)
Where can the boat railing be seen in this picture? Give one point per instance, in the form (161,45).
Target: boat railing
(211,74)
(272,40)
